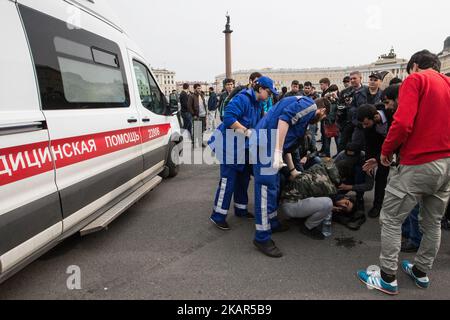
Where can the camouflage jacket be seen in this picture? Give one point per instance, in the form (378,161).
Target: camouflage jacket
(319,181)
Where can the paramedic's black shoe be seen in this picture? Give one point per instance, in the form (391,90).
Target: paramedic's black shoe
(374,213)
(268,248)
(315,234)
(221,225)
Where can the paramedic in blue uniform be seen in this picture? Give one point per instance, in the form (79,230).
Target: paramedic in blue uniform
(276,135)
(230,144)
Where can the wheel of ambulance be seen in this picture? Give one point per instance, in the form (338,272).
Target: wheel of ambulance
(173,160)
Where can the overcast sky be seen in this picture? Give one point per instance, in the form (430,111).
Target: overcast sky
(186,36)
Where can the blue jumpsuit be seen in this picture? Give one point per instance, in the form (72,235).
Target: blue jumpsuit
(232,154)
(297,112)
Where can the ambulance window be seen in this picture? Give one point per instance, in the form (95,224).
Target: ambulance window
(148,89)
(159,107)
(76,69)
(106,58)
(143,84)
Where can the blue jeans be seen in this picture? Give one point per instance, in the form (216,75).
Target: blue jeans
(313,129)
(411,228)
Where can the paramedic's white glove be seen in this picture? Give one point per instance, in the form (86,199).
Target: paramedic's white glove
(248,133)
(278,162)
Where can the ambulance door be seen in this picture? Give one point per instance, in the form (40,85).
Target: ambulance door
(152,107)
(30,211)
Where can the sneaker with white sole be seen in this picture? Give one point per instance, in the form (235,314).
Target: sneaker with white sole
(373,280)
(422,283)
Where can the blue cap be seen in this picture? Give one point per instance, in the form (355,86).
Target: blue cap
(268,83)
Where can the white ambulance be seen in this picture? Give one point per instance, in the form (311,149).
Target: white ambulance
(85,130)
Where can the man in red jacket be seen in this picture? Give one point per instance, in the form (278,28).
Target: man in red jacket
(421,130)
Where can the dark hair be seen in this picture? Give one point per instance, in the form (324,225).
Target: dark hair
(392,92)
(211,89)
(255,75)
(186,86)
(284,90)
(257,86)
(301,86)
(425,60)
(352,199)
(197,85)
(346,79)
(366,111)
(295,83)
(333,88)
(323,103)
(325,81)
(227,81)
(396,80)
(308,84)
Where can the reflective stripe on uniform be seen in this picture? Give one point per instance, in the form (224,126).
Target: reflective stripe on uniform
(223,187)
(240,206)
(221,211)
(303,113)
(264,216)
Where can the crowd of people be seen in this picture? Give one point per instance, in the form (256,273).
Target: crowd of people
(391,136)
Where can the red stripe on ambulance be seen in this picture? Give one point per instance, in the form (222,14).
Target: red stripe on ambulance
(22,162)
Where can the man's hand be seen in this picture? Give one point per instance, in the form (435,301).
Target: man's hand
(294,174)
(278,162)
(337,210)
(370,166)
(386,160)
(345,187)
(248,133)
(304,161)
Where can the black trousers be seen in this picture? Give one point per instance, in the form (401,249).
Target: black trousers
(346,136)
(381,179)
(448,212)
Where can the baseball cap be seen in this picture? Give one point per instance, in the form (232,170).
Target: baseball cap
(376,75)
(268,83)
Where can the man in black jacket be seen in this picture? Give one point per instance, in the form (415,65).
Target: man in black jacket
(374,122)
(295,90)
(365,95)
(187,116)
(350,165)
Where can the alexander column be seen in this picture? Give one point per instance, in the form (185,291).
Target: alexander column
(228,33)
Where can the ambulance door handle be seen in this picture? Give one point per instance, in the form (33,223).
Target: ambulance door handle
(146,120)
(132,120)
(9,129)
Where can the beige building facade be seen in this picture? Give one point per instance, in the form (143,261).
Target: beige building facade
(166,79)
(284,77)
(387,62)
(205,85)
(445,57)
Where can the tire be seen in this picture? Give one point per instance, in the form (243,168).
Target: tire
(173,164)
